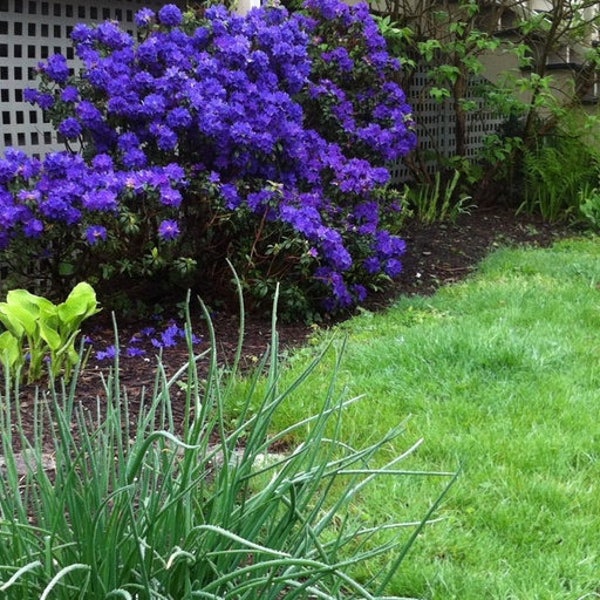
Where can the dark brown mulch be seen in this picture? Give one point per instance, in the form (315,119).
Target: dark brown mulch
(437,255)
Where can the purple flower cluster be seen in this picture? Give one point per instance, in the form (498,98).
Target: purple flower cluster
(64,188)
(291,118)
(167,337)
(355,88)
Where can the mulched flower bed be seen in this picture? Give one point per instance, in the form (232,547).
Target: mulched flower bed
(437,255)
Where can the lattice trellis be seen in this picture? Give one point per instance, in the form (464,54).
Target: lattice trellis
(435,122)
(31,31)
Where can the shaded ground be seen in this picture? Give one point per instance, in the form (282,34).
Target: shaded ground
(437,255)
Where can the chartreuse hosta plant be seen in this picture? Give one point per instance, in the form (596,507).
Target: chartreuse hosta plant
(149,510)
(39,332)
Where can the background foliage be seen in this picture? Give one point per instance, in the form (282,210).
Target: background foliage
(538,71)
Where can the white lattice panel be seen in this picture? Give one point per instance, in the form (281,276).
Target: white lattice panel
(435,123)
(31,31)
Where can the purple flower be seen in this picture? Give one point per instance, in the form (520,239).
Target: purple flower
(341,57)
(174,172)
(231,196)
(82,33)
(393,267)
(168,229)
(166,138)
(133,351)
(30,95)
(372,265)
(58,208)
(109,34)
(258,201)
(69,94)
(179,118)
(144,17)
(44,101)
(169,335)
(147,52)
(153,104)
(388,245)
(95,234)
(335,281)
(56,68)
(108,354)
(170,197)
(88,113)
(134,158)
(102,163)
(127,141)
(170,15)
(33,228)
(102,200)
(70,128)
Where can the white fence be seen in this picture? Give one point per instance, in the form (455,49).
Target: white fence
(31,31)
(435,123)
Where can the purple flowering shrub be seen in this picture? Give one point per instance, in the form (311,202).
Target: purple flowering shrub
(352,98)
(261,138)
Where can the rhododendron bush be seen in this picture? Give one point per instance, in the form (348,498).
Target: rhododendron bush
(261,138)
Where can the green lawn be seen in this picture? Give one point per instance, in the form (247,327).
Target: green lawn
(501,377)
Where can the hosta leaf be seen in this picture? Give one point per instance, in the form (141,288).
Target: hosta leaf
(80,304)
(50,335)
(10,350)
(19,320)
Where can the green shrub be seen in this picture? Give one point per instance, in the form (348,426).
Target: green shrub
(203,511)
(554,173)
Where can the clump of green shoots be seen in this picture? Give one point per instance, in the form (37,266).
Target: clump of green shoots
(201,510)
(437,201)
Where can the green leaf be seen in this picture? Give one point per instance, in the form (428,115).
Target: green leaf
(72,355)
(27,299)
(439,93)
(19,314)
(80,304)
(10,350)
(65,269)
(50,335)
(11,321)
(428,48)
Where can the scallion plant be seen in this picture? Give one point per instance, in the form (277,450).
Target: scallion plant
(200,509)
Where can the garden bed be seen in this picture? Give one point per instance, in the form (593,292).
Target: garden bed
(437,255)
